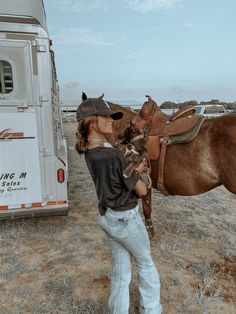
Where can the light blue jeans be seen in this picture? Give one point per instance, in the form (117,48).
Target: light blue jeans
(127,236)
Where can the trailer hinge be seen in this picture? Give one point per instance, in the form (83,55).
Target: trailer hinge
(45,152)
(22,107)
(41,48)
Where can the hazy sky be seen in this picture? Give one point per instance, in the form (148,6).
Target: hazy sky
(170,49)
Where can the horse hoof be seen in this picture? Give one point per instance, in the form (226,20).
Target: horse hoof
(149,228)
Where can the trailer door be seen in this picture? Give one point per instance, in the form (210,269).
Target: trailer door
(20,178)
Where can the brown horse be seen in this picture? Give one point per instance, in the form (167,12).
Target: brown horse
(204,163)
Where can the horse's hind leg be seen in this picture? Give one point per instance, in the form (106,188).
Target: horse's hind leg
(147,212)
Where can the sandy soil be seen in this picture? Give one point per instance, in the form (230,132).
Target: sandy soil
(62,264)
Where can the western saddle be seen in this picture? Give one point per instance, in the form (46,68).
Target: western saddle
(162,130)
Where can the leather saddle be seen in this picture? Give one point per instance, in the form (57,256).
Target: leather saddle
(163,130)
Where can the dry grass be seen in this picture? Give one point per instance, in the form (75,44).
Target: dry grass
(62,264)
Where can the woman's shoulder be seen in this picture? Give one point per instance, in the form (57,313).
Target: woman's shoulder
(104,152)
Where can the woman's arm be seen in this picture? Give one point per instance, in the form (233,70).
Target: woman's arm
(140,188)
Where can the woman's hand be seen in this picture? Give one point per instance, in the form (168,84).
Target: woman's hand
(142,167)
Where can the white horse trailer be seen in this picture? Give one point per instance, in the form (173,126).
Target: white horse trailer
(33,152)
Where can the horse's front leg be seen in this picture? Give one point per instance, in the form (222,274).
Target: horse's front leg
(147,212)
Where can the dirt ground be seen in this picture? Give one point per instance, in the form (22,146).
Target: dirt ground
(62,264)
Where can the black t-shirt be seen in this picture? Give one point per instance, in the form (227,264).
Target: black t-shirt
(106,165)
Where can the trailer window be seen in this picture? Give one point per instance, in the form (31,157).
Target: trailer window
(6,79)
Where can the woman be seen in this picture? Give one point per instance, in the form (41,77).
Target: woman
(118,206)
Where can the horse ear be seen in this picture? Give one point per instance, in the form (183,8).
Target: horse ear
(101,97)
(84,96)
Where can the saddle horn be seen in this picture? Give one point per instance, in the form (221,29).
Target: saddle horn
(148,97)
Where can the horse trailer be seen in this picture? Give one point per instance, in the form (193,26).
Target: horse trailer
(33,151)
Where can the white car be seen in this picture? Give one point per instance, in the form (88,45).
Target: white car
(210,111)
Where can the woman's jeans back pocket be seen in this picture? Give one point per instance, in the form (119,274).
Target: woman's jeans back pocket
(117,226)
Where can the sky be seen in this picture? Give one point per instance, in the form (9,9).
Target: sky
(172,50)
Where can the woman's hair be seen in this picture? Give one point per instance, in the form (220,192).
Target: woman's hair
(83,133)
